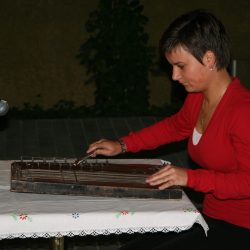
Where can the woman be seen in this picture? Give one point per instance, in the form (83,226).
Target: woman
(215,119)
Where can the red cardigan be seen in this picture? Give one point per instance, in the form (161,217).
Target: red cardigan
(223,151)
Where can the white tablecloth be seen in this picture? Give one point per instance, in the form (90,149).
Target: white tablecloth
(40,215)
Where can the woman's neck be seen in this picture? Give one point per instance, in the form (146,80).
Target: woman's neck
(212,97)
(217,88)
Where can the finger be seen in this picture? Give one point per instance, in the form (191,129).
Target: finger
(91,149)
(155,178)
(96,142)
(165,168)
(94,146)
(159,180)
(162,171)
(161,174)
(102,151)
(165,185)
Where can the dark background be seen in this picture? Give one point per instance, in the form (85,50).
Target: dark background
(39,41)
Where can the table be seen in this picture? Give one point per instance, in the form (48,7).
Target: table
(25,215)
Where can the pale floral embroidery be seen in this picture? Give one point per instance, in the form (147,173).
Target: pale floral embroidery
(123,213)
(192,210)
(22,217)
(75,215)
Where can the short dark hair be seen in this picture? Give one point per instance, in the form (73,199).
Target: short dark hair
(198,31)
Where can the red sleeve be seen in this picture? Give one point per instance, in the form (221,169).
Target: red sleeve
(173,128)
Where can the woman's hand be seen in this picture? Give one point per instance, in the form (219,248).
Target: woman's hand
(168,176)
(105,147)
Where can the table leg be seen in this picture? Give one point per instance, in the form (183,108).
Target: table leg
(57,243)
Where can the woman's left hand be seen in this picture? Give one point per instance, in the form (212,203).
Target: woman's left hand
(168,176)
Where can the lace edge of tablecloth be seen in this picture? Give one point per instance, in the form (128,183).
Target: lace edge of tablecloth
(100,232)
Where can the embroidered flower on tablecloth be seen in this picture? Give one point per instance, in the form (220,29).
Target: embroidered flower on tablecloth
(75,215)
(123,213)
(191,210)
(22,217)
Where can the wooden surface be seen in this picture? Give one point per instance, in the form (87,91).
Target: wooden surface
(94,179)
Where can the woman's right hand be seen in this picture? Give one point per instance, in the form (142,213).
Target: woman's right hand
(105,147)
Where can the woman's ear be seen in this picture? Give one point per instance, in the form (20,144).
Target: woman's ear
(209,60)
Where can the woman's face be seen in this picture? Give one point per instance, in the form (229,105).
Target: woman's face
(187,70)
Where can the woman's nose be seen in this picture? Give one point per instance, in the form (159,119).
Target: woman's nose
(175,74)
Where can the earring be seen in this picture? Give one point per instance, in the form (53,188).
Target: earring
(211,68)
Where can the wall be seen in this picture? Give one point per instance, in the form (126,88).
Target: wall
(39,41)
(234,15)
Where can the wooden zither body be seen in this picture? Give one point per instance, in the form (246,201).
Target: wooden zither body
(91,178)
